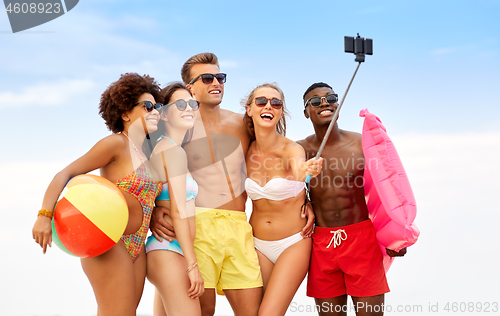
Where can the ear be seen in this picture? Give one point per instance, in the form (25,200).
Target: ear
(125,117)
(190,87)
(248,111)
(164,116)
(306,112)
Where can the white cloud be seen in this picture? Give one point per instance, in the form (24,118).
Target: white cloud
(47,94)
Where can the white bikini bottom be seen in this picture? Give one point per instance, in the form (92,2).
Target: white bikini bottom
(272,249)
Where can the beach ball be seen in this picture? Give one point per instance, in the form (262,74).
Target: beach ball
(90,218)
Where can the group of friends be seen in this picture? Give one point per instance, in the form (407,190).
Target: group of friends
(186,167)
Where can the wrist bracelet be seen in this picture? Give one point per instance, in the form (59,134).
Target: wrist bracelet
(194,265)
(45,212)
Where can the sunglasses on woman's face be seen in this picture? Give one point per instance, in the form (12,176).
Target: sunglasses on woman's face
(150,106)
(262,101)
(182,105)
(316,101)
(209,78)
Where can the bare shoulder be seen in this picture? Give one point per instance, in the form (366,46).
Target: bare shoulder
(233,124)
(115,141)
(306,143)
(352,139)
(231,117)
(292,149)
(350,136)
(170,150)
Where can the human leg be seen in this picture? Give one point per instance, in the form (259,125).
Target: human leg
(113,280)
(167,272)
(207,302)
(266,268)
(244,302)
(286,277)
(333,306)
(140,276)
(158,307)
(369,306)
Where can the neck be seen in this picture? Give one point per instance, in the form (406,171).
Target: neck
(136,138)
(210,114)
(175,134)
(265,138)
(320,131)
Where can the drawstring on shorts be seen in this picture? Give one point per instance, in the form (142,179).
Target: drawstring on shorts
(337,237)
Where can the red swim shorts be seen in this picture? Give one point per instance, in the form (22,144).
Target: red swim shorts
(346,260)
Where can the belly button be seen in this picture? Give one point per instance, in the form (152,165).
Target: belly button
(268,222)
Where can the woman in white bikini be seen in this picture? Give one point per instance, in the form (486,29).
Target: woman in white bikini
(276,170)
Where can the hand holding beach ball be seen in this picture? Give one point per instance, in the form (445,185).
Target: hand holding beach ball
(90,218)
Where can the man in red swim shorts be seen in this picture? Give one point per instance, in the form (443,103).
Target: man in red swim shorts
(346,258)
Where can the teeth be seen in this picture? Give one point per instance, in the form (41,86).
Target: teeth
(327,110)
(214,92)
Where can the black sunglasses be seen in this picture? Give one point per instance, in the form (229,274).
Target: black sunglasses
(275,102)
(182,105)
(150,106)
(209,78)
(316,101)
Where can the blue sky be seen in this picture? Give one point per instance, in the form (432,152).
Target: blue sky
(432,80)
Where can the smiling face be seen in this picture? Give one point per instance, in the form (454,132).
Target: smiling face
(323,114)
(139,117)
(265,115)
(210,94)
(175,117)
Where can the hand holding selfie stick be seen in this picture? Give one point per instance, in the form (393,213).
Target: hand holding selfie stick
(359,46)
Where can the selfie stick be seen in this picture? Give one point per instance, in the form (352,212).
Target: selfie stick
(359,46)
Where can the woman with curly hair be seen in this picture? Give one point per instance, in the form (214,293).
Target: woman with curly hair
(129,110)
(276,171)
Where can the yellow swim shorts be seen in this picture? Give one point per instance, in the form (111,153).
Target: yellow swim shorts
(225,251)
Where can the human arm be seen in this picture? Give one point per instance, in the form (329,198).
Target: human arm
(181,212)
(159,227)
(295,157)
(393,253)
(307,212)
(103,153)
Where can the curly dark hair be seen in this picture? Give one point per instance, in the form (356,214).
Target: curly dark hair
(247,101)
(122,95)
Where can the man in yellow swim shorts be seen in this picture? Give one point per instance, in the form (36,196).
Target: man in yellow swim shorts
(216,159)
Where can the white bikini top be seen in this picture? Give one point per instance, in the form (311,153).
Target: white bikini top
(276,189)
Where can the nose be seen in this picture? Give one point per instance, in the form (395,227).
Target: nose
(323,101)
(268,104)
(216,81)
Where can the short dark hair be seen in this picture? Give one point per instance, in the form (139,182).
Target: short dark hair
(314,86)
(121,96)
